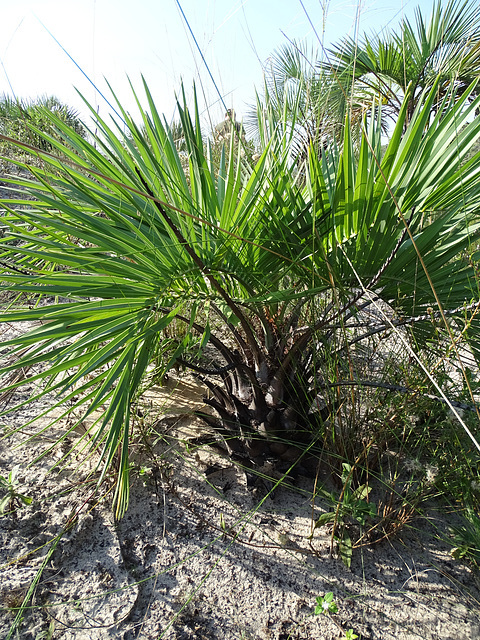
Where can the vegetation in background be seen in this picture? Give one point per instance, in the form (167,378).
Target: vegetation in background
(29,121)
(443,52)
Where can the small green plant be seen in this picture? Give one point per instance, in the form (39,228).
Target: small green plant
(47,634)
(467,539)
(326,605)
(13,498)
(351,506)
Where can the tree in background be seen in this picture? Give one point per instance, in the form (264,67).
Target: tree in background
(313,92)
(295,98)
(446,50)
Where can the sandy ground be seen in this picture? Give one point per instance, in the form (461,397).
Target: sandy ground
(201,555)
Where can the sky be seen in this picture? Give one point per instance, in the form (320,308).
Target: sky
(56,47)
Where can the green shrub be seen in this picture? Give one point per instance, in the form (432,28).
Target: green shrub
(274,273)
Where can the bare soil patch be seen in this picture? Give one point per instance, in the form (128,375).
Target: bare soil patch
(200,554)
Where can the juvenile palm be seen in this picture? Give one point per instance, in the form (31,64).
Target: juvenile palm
(267,270)
(313,91)
(443,51)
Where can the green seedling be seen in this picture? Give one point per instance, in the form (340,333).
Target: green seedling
(351,505)
(13,498)
(326,605)
(48,633)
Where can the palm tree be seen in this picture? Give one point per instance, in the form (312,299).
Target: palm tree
(312,93)
(273,273)
(379,68)
(295,98)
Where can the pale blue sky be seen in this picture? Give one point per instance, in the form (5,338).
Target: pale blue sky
(113,38)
